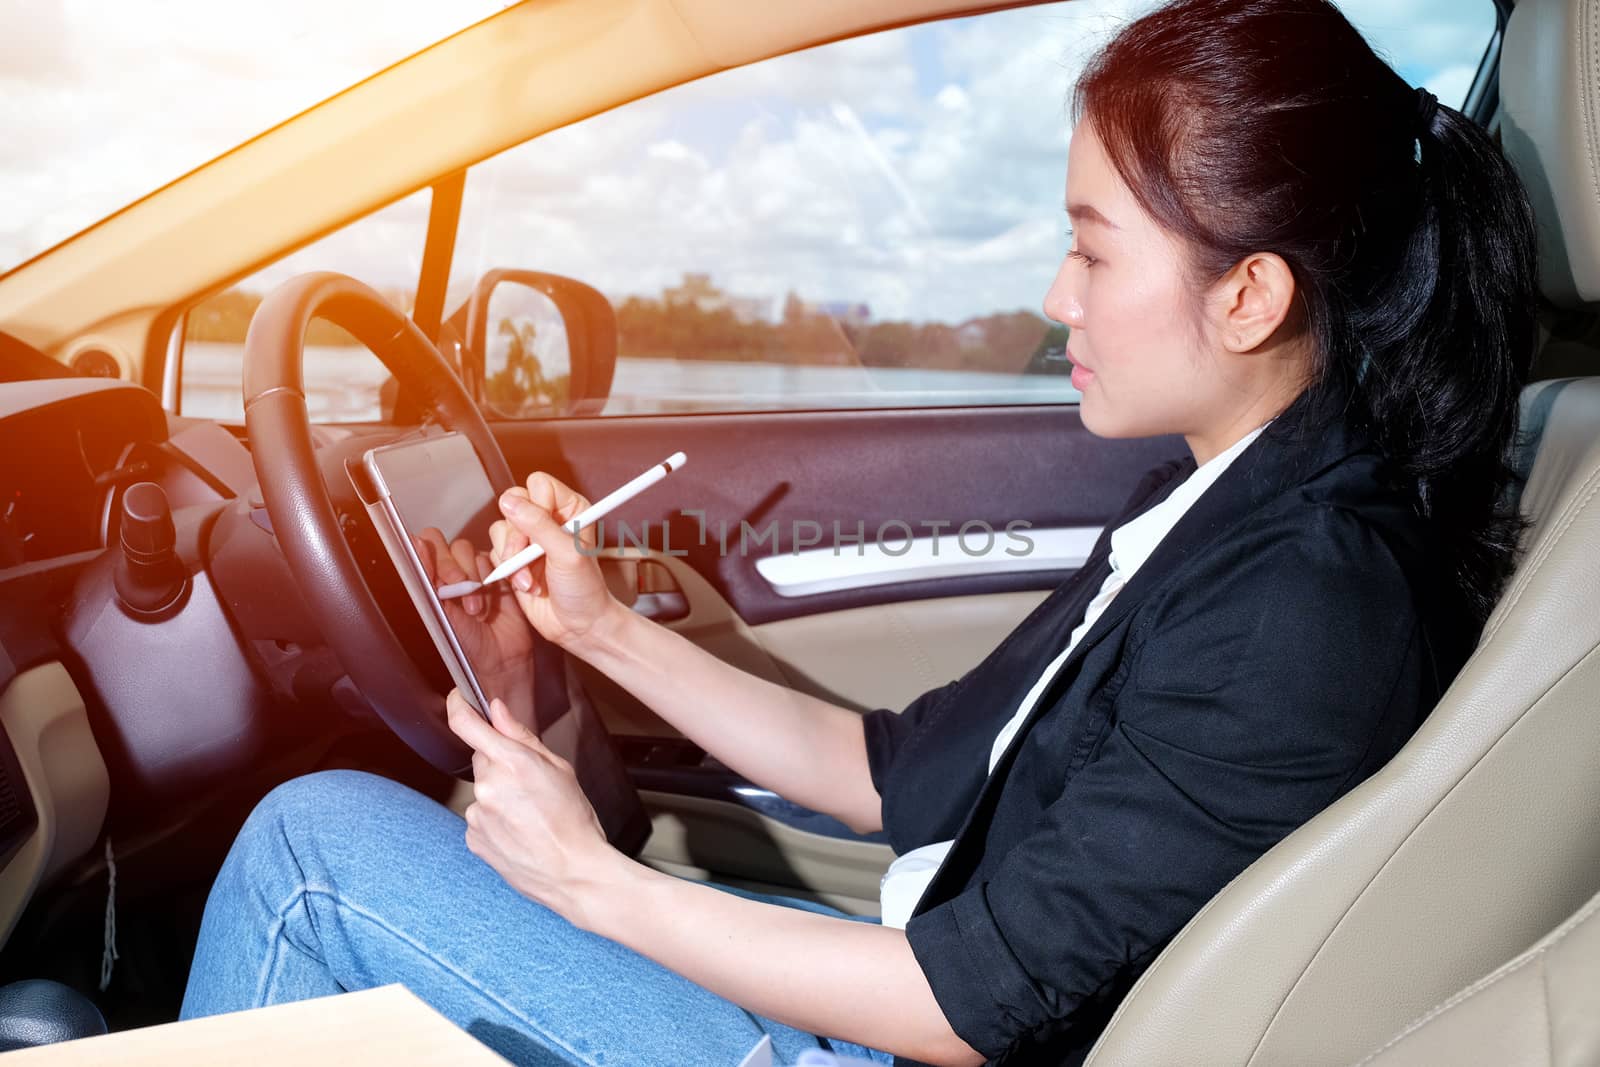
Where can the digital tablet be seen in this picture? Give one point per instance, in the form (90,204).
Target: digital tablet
(438,482)
(433,482)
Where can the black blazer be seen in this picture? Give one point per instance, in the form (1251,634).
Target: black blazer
(1280,645)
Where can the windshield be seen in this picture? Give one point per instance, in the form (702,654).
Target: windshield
(103,101)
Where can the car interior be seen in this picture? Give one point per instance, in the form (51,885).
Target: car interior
(168,656)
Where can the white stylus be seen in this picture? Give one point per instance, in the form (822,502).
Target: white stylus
(589,515)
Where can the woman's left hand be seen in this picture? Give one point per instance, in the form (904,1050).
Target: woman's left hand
(529,819)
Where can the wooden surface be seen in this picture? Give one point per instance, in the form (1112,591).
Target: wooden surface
(387,1025)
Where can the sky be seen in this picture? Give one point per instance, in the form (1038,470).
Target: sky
(919,171)
(103,101)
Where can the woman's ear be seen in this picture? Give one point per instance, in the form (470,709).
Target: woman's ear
(1252,300)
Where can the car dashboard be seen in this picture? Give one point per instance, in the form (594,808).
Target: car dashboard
(89,702)
(65,447)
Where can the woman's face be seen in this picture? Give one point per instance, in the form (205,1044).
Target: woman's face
(1139,344)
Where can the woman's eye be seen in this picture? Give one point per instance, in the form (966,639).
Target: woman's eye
(1073,253)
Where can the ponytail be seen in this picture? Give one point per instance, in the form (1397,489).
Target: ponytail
(1270,125)
(1447,356)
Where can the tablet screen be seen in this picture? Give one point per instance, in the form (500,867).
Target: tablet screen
(436,490)
(436,493)
(438,483)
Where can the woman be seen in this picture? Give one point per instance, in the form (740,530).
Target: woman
(1322,280)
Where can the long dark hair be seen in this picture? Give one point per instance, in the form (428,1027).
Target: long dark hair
(1249,126)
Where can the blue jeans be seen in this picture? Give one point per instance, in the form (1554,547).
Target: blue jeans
(343,880)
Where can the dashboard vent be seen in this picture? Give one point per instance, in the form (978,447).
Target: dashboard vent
(17,817)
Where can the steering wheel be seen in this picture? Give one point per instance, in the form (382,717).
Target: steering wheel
(309,530)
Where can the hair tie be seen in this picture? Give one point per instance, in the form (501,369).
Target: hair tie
(1427,107)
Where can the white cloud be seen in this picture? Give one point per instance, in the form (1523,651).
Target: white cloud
(836,172)
(837,177)
(102,102)
(920,171)
(1420,36)
(36,48)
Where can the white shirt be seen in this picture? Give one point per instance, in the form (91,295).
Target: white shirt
(1132,543)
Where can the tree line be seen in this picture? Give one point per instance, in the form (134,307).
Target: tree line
(1005,342)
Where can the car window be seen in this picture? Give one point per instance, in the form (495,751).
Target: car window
(102,102)
(869,223)
(344,381)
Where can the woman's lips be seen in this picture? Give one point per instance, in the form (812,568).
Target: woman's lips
(1081,375)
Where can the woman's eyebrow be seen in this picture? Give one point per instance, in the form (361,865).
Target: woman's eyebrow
(1081,213)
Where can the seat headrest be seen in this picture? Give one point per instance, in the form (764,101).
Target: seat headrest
(1550,129)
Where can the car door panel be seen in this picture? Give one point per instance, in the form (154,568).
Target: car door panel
(886,655)
(876,655)
(868,471)
(926,469)
(700,838)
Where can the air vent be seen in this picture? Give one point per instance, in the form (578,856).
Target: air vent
(17,816)
(10,807)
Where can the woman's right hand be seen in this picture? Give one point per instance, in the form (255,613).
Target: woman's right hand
(562,593)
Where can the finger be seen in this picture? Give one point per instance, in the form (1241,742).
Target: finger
(499,529)
(520,732)
(468,725)
(501,719)
(540,527)
(562,501)
(505,540)
(508,541)
(491,594)
(449,570)
(555,496)
(514,539)
(424,549)
(440,566)
(465,558)
(437,551)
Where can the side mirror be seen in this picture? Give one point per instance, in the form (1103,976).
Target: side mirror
(541,343)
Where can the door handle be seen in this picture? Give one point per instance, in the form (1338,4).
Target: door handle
(661,607)
(647,587)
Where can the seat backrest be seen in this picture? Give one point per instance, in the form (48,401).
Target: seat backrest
(1483,833)
(1537,1009)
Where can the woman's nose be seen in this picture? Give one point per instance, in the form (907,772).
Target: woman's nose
(1061,302)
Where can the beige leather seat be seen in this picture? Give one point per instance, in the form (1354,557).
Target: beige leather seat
(1483,834)
(1541,1008)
